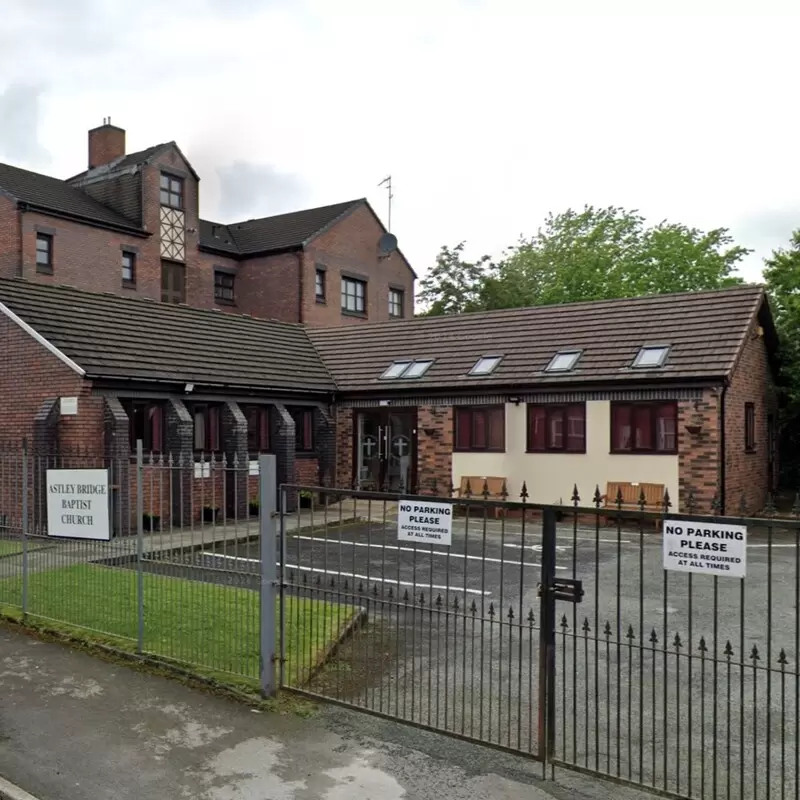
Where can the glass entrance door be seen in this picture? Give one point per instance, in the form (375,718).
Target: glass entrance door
(385,447)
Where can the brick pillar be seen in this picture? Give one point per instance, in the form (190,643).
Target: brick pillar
(698,453)
(434,449)
(325,437)
(180,446)
(343,444)
(44,453)
(118,460)
(234,446)
(284,447)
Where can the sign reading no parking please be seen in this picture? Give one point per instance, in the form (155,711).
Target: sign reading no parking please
(425,522)
(707,547)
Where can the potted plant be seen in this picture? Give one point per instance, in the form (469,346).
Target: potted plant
(252,507)
(210,513)
(306,498)
(151,522)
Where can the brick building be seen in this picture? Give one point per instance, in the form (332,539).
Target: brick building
(130,225)
(675,390)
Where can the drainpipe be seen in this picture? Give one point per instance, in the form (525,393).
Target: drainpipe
(21,208)
(723,453)
(300,286)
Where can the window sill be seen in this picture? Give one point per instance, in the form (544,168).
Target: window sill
(751,451)
(220,302)
(556,452)
(306,454)
(321,301)
(643,452)
(469,450)
(359,314)
(44,270)
(128,284)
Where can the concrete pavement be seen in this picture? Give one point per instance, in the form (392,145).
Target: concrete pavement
(75,727)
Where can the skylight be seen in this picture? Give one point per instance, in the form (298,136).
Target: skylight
(485,365)
(563,361)
(651,356)
(407,369)
(397,369)
(417,369)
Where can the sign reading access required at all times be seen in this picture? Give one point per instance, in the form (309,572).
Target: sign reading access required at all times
(77,503)
(709,548)
(425,522)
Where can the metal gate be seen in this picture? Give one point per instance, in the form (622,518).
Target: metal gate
(552,631)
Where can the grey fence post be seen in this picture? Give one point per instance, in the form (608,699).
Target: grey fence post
(24,527)
(268,508)
(139,547)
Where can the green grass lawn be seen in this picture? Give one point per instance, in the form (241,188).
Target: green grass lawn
(9,548)
(213,628)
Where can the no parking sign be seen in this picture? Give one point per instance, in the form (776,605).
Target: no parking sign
(709,548)
(425,522)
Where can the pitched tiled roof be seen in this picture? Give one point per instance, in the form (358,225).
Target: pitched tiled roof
(704,331)
(129,160)
(128,338)
(58,196)
(280,232)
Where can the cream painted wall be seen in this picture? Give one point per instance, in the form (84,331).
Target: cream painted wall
(551,476)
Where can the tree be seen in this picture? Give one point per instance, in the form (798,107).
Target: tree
(782,278)
(597,253)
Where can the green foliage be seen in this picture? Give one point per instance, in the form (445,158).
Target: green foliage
(782,277)
(593,254)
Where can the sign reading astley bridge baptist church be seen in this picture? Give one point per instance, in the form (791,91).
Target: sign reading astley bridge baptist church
(710,548)
(77,503)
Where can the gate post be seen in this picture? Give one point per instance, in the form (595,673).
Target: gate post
(268,513)
(547,638)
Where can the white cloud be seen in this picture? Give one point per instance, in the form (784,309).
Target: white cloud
(487,114)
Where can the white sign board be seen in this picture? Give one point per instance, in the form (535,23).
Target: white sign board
(77,503)
(425,522)
(69,406)
(709,548)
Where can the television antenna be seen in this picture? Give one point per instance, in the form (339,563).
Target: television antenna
(387,182)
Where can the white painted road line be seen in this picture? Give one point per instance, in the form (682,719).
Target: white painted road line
(420,551)
(373,578)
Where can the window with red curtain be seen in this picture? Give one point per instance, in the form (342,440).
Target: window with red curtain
(145,422)
(557,428)
(482,428)
(258,421)
(303,429)
(207,418)
(644,428)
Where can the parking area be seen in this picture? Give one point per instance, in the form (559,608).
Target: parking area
(684,682)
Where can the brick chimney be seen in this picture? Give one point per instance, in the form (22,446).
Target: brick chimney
(106,144)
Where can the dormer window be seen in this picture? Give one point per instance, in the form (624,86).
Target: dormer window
(485,365)
(651,357)
(171,191)
(563,361)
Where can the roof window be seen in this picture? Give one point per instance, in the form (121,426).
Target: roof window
(485,365)
(563,361)
(651,357)
(407,369)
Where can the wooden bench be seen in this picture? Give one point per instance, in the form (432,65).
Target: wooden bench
(484,487)
(631,494)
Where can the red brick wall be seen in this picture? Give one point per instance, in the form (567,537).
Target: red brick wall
(434,448)
(269,287)
(344,447)
(9,238)
(306,471)
(746,474)
(351,245)
(698,454)
(83,256)
(29,375)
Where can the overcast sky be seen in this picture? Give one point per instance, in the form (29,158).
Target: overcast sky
(487,113)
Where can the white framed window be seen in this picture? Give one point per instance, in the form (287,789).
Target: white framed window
(485,365)
(651,356)
(563,361)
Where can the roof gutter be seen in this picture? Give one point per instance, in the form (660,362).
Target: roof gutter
(722,444)
(65,359)
(95,223)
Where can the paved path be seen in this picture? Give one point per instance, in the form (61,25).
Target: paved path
(74,727)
